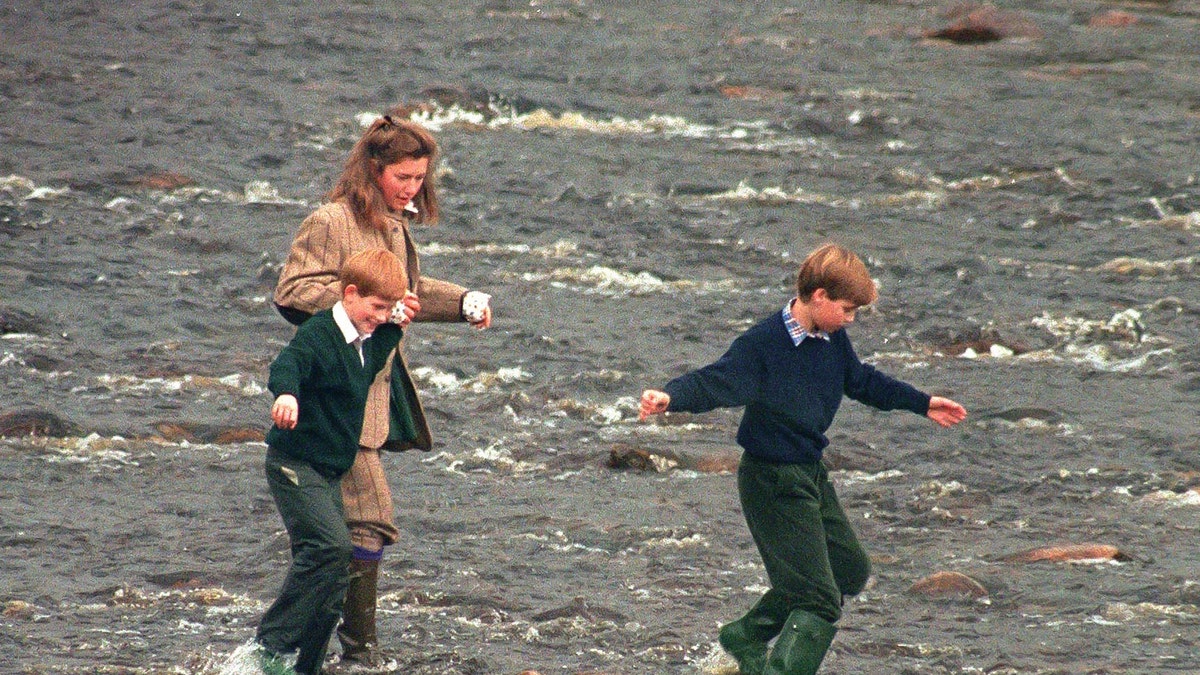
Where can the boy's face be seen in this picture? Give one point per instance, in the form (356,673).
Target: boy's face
(366,312)
(828,314)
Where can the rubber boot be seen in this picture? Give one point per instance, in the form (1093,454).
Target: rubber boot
(801,645)
(750,653)
(357,631)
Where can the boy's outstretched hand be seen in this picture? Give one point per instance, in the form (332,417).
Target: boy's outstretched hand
(653,403)
(945,412)
(285,412)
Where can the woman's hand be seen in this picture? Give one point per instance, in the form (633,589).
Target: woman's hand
(477,309)
(406,308)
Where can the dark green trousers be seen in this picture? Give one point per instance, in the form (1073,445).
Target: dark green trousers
(810,552)
(304,615)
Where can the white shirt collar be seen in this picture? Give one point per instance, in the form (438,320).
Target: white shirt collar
(342,319)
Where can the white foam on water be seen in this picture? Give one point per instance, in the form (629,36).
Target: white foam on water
(603,414)
(253,192)
(778,195)
(1141,266)
(27,190)
(1171,499)
(484,382)
(236,382)
(716,661)
(495,458)
(1121,612)
(603,280)
(559,249)
(244,661)
(855,476)
(752,135)
(263,192)
(696,540)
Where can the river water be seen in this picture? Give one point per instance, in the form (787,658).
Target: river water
(634,183)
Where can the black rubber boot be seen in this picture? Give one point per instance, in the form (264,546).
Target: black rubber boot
(357,631)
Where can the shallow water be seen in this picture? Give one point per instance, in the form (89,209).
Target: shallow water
(634,183)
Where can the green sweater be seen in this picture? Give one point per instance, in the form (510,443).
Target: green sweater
(330,384)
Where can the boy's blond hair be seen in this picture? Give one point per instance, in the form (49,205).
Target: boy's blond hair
(839,272)
(375,271)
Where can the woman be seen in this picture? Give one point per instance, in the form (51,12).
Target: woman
(387,181)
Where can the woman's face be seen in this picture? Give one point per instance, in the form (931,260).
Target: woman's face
(400,182)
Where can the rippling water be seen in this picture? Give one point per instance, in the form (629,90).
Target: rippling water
(635,184)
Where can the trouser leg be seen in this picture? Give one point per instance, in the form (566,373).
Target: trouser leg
(810,552)
(303,616)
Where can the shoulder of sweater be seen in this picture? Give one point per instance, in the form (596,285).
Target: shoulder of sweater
(320,323)
(769,328)
(338,210)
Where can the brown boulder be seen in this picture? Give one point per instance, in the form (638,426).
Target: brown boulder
(971,24)
(1112,19)
(948,584)
(37,423)
(626,456)
(1068,553)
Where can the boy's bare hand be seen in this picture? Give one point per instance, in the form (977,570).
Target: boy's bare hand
(653,403)
(945,412)
(285,412)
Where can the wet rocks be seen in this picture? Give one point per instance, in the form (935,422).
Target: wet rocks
(17,609)
(204,433)
(1069,553)
(972,340)
(13,320)
(1130,266)
(945,584)
(36,422)
(1112,19)
(981,24)
(626,456)
(582,608)
(162,180)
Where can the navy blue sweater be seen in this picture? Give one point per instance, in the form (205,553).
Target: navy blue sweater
(791,393)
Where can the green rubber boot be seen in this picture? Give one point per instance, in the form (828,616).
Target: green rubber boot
(272,664)
(801,645)
(751,654)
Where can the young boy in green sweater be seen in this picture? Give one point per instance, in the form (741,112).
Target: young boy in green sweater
(320,381)
(790,372)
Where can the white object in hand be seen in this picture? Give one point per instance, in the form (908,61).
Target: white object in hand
(474,305)
(399,316)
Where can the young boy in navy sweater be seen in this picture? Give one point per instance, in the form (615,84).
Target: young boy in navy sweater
(790,372)
(321,381)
